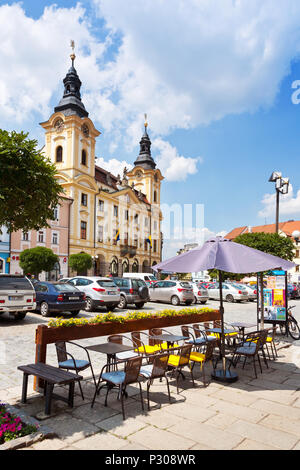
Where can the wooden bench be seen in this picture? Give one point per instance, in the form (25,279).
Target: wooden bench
(51,376)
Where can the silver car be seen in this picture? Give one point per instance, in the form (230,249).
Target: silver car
(230,293)
(17,295)
(200,294)
(251,291)
(99,291)
(174,292)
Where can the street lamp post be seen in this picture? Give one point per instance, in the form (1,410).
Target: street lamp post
(282,187)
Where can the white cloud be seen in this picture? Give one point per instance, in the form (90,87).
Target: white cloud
(113,165)
(289,204)
(174,167)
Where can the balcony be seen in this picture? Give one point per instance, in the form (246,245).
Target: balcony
(128,250)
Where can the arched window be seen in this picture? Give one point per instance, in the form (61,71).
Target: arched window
(155,196)
(135,266)
(59,154)
(83,158)
(114,267)
(125,266)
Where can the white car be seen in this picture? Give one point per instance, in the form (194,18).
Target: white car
(200,294)
(251,291)
(99,291)
(17,295)
(230,292)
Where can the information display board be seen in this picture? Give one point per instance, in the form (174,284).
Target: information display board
(275,297)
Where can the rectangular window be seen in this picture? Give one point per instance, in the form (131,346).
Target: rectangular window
(155,225)
(115,211)
(54,238)
(145,245)
(126,238)
(136,241)
(101,205)
(146,222)
(154,246)
(41,237)
(100,233)
(83,199)
(136,218)
(56,213)
(25,237)
(83,230)
(126,215)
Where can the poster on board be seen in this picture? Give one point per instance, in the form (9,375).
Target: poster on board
(275,298)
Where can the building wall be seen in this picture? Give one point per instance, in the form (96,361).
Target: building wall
(4,250)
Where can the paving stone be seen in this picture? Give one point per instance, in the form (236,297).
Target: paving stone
(159,419)
(263,434)
(93,415)
(70,429)
(207,435)
(221,421)
(100,441)
(190,412)
(49,444)
(117,426)
(285,424)
(235,396)
(276,409)
(242,412)
(157,439)
(248,444)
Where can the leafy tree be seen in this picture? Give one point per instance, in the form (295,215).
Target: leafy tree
(38,259)
(29,191)
(271,243)
(80,262)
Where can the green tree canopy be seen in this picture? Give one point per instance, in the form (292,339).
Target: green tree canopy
(38,259)
(80,262)
(29,191)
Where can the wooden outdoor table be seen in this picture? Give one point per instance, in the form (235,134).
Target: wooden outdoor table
(52,376)
(110,349)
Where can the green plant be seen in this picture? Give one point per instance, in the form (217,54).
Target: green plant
(12,427)
(38,259)
(80,262)
(135,315)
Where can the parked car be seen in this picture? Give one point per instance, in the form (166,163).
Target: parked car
(132,291)
(176,292)
(56,297)
(17,295)
(99,291)
(200,293)
(251,291)
(147,277)
(293,291)
(230,293)
(63,280)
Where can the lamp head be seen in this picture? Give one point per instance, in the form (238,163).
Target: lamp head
(275,176)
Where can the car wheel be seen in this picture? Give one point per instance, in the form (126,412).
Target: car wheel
(110,308)
(74,313)
(229,298)
(89,306)
(175,300)
(203,302)
(123,302)
(195,300)
(20,315)
(188,302)
(139,304)
(45,309)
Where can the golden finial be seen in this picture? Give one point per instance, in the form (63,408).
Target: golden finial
(73,56)
(146,123)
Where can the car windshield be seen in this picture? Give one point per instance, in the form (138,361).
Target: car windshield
(64,287)
(185,284)
(106,283)
(152,278)
(12,282)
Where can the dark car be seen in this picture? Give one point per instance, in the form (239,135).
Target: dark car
(293,291)
(132,291)
(56,297)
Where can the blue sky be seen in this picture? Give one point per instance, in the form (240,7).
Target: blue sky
(215,78)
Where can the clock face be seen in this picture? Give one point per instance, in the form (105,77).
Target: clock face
(59,125)
(85,130)
(138,174)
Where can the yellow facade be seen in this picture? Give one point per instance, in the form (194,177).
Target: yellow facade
(70,144)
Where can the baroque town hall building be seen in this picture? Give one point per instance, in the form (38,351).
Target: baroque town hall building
(116,219)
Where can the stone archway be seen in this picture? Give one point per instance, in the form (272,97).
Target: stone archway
(125,266)
(135,266)
(113,269)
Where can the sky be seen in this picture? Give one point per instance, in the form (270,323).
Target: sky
(218,79)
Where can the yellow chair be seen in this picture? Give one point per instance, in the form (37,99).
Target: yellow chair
(178,361)
(203,358)
(141,347)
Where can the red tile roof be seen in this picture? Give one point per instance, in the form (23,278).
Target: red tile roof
(286,227)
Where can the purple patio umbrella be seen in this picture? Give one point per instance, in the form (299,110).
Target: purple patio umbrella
(224,255)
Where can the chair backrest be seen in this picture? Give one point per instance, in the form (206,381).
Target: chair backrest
(115,339)
(217,324)
(61,351)
(154,332)
(255,337)
(185,352)
(132,369)
(160,364)
(185,330)
(263,336)
(197,330)
(136,338)
(209,350)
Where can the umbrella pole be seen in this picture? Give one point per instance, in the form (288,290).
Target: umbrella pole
(223,375)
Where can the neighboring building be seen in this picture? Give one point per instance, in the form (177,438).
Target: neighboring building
(285,229)
(4,250)
(55,237)
(105,205)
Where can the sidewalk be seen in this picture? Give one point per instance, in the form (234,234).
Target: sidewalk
(262,413)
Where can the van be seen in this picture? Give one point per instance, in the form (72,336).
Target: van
(17,295)
(147,277)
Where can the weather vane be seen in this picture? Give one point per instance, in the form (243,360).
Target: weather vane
(73,56)
(146,123)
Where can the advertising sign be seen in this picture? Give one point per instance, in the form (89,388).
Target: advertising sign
(275,298)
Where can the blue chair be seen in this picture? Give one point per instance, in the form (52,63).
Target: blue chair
(73,364)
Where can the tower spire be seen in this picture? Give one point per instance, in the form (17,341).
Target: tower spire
(71,101)
(145,159)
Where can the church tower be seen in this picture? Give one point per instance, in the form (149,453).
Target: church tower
(145,176)
(70,138)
